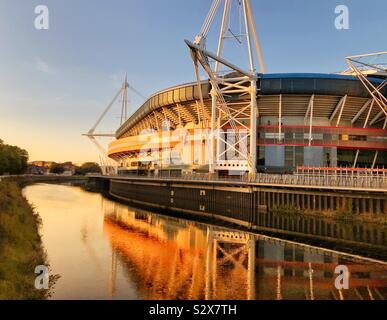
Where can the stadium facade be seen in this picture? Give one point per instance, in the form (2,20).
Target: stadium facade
(303,120)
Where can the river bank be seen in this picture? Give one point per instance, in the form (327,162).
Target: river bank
(21,248)
(378,218)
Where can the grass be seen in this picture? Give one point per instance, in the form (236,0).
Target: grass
(287,210)
(344,214)
(21,247)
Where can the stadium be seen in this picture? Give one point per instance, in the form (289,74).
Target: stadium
(238,120)
(344,129)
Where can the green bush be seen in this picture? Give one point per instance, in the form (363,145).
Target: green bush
(20,246)
(288,209)
(88,167)
(13,160)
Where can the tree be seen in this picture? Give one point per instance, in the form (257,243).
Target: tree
(57,168)
(88,167)
(13,160)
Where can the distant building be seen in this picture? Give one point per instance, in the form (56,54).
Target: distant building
(69,168)
(44,167)
(46,164)
(39,167)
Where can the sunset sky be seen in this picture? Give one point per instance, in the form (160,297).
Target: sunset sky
(55,83)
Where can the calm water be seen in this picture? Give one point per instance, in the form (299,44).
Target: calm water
(106,250)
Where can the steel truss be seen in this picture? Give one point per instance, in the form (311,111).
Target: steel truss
(235,150)
(361,68)
(241,255)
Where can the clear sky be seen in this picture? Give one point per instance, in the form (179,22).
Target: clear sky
(54,83)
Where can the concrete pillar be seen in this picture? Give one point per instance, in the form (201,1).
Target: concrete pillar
(208,269)
(275,198)
(379,237)
(357,205)
(313,221)
(363,205)
(268,202)
(331,226)
(344,203)
(378,209)
(325,203)
(371,206)
(251,270)
(214,264)
(338,203)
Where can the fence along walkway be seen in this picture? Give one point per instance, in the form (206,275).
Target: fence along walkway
(316,179)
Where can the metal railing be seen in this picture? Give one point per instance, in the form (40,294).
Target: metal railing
(377,182)
(358,180)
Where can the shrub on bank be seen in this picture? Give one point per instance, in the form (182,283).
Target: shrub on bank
(20,245)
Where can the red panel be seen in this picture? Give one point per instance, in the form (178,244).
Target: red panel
(353,145)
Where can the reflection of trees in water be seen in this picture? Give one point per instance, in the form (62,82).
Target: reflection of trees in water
(329,228)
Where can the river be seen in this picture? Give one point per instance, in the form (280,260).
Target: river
(102,249)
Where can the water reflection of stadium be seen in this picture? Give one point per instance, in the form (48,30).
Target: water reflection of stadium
(173,258)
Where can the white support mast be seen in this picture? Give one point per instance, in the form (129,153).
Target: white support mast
(124,101)
(92,134)
(239,152)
